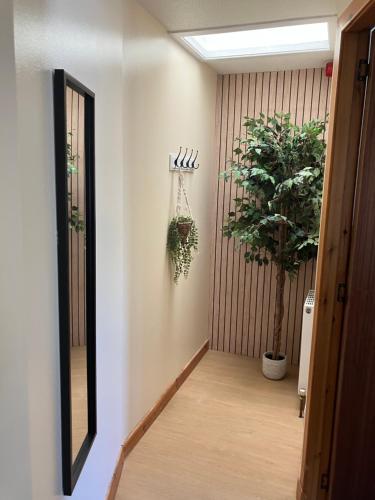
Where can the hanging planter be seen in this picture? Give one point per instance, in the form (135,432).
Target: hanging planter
(181,246)
(182,236)
(184,228)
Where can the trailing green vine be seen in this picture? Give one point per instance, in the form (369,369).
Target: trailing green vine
(180,246)
(75,220)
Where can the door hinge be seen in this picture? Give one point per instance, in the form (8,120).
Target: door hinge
(362,70)
(324,480)
(341,293)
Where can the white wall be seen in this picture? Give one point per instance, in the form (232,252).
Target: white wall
(169,102)
(14,433)
(147,329)
(85,38)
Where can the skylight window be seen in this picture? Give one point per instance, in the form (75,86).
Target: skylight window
(265,41)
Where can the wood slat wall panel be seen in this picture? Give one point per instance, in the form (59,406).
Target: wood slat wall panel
(76,186)
(243,295)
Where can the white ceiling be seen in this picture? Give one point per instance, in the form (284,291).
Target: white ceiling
(189,15)
(186,15)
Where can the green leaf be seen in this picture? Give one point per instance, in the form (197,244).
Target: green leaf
(280,168)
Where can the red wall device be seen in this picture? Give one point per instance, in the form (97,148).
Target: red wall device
(329,69)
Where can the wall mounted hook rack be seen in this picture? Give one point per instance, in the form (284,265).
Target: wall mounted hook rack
(183,161)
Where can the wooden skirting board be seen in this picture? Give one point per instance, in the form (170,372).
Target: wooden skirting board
(150,417)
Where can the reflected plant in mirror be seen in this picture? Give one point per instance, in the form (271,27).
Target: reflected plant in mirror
(76,220)
(75,198)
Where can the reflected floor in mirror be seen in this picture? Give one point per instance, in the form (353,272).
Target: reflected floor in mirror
(79,397)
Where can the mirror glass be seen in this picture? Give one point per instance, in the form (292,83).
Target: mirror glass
(75,175)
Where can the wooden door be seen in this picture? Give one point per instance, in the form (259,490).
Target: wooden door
(352,475)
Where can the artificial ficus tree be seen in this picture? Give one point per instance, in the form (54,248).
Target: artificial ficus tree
(279,170)
(75,219)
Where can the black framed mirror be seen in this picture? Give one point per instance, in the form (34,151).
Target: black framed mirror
(75,199)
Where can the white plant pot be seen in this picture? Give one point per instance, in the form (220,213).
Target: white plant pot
(272,368)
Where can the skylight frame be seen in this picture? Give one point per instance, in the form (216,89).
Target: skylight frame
(186,41)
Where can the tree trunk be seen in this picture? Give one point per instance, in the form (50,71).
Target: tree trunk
(279,315)
(280,284)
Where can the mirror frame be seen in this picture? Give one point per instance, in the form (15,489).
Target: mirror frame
(62,80)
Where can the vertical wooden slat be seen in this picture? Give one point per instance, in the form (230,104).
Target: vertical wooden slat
(281,89)
(298,116)
(328,93)
(287,92)
(288,106)
(229,206)
(81,235)
(317,77)
(256,302)
(251,96)
(215,262)
(69,93)
(323,95)
(262,277)
(308,95)
(301,94)
(243,295)
(303,114)
(221,211)
(234,265)
(242,268)
(76,188)
(298,309)
(269,111)
(73,234)
(238,255)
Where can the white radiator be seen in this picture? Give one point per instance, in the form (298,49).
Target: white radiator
(308,313)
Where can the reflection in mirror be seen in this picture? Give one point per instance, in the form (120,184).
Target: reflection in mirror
(75,104)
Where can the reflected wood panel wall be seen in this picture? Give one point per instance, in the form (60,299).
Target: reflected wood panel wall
(76,186)
(243,295)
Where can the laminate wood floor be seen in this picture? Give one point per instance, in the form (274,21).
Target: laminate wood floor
(78,360)
(228,434)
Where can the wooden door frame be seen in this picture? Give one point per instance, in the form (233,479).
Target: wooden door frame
(335,238)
